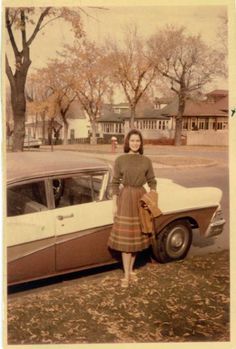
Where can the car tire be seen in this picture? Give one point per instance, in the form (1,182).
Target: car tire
(173,242)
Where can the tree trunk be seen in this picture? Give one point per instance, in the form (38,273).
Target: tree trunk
(93,139)
(43,127)
(179,119)
(132,117)
(18,107)
(18,100)
(66,128)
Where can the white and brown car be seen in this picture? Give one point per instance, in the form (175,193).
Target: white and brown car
(59,215)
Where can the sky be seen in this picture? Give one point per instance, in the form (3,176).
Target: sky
(99,24)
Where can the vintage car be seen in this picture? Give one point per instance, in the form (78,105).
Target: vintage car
(31,142)
(59,215)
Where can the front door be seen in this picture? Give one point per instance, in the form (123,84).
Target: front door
(83,220)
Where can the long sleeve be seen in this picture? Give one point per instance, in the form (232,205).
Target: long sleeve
(150,177)
(116,180)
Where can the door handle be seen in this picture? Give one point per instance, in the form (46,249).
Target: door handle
(61,217)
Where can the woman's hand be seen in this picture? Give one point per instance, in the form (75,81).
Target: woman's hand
(114,205)
(114,210)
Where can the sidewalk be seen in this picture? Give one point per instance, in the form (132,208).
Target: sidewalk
(161,156)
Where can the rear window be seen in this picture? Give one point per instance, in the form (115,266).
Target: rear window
(26,198)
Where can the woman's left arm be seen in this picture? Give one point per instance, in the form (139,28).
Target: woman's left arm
(150,177)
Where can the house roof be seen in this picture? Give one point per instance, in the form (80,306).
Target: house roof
(223,104)
(218,93)
(45,123)
(109,115)
(76,111)
(195,108)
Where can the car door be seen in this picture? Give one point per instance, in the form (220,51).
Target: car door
(30,232)
(83,219)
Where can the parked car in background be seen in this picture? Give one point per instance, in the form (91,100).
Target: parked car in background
(59,215)
(30,142)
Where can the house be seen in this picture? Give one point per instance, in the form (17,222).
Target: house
(202,118)
(208,114)
(78,126)
(115,121)
(78,123)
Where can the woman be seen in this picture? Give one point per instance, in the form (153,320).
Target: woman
(131,171)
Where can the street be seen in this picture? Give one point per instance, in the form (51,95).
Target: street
(215,176)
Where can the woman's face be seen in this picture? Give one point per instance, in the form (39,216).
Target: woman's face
(134,143)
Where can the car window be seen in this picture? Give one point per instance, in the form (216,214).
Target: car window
(26,198)
(77,189)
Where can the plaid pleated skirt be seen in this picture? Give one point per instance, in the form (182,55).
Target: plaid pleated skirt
(126,234)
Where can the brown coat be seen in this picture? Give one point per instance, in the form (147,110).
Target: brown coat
(147,215)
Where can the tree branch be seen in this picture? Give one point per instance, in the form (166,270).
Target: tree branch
(37,27)
(22,28)
(50,20)
(9,72)
(10,33)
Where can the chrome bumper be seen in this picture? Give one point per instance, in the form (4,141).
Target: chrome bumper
(216,226)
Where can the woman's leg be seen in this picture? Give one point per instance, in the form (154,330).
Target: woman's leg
(126,259)
(133,256)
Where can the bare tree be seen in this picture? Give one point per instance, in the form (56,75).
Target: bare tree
(186,62)
(58,77)
(131,69)
(20,20)
(89,67)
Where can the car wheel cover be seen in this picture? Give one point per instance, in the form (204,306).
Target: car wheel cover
(177,241)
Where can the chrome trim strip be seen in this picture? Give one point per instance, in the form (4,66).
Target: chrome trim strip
(58,240)
(68,237)
(189,209)
(26,254)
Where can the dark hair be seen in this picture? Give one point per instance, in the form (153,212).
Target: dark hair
(127,138)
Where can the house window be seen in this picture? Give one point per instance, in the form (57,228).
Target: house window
(201,125)
(219,126)
(225,125)
(159,125)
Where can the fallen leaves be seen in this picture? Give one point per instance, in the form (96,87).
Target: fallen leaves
(177,302)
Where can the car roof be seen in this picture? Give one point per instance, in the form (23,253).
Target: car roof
(38,164)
